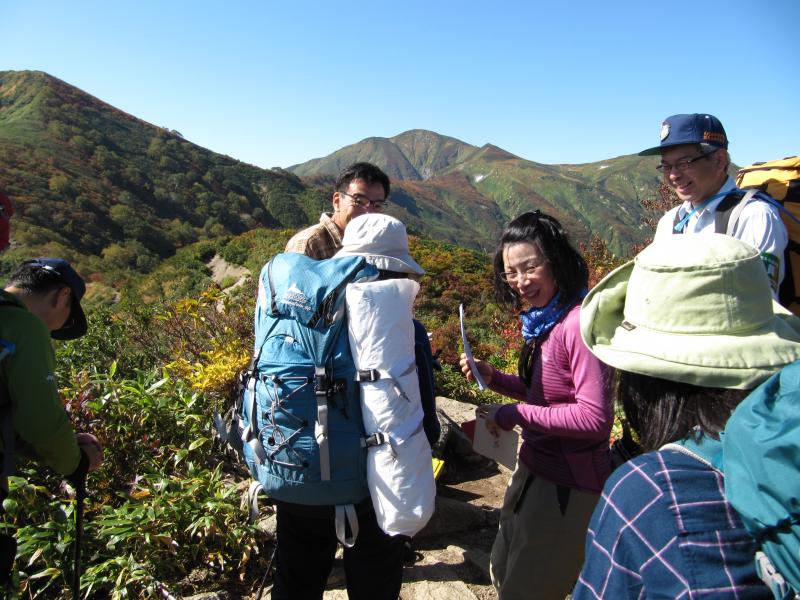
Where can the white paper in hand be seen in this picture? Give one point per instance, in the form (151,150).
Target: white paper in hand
(468,350)
(502,449)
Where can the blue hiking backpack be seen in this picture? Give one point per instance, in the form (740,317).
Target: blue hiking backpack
(298,421)
(760,457)
(761,461)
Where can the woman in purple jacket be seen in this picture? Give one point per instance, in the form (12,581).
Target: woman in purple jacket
(564,411)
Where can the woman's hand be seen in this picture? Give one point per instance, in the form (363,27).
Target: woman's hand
(485,369)
(487,413)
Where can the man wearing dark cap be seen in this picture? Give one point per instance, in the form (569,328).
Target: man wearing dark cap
(694,163)
(41,300)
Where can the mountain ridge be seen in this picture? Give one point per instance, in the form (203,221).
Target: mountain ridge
(117,194)
(590,198)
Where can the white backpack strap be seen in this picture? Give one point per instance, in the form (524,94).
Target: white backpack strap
(252,500)
(346,513)
(321,427)
(368,375)
(250,433)
(378,439)
(737,210)
(376,374)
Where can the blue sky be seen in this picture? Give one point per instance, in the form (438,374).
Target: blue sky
(277,83)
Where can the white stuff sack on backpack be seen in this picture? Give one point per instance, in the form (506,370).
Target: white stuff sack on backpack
(399,471)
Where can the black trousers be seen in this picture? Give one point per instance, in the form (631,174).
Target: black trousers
(306,548)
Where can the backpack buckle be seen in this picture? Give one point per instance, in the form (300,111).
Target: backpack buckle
(320,382)
(367,375)
(376,439)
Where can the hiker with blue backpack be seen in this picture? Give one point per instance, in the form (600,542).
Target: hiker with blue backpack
(692,329)
(694,163)
(300,419)
(314,516)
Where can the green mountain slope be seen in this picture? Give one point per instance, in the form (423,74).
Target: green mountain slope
(104,188)
(117,195)
(486,187)
(414,155)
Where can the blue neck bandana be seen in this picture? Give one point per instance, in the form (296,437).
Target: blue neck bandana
(538,321)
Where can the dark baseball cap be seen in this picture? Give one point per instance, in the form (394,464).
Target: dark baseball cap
(75,326)
(697,128)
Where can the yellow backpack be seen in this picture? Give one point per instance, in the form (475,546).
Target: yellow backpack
(781,180)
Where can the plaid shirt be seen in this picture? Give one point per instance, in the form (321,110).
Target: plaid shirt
(663,529)
(319,241)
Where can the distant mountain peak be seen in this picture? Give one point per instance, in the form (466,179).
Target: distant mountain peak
(492,152)
(416,154)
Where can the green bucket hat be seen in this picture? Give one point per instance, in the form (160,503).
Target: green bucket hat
(692,308)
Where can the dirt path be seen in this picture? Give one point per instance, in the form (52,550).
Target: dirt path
(222,270)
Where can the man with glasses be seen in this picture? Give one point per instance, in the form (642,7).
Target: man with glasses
(360,189)
(41,300)
(694,163)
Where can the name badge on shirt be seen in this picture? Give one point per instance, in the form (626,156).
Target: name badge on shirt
(772,264)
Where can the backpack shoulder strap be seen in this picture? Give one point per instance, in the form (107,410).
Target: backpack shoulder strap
(729,210)
(722,214)
(725,209)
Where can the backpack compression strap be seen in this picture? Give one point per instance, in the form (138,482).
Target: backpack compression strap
(367,375)
(321,424)
(381,437)
(249,434)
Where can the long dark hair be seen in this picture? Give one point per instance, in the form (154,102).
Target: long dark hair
(662,411)
(546,233)
(565,263)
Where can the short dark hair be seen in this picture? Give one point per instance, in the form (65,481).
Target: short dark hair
(32,278)
(365,171)
(566,263)
(661,411)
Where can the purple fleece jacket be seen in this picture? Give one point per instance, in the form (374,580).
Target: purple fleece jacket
(566,415)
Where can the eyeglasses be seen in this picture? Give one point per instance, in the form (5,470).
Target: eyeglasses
(682,165)
(514,276)
(364,202)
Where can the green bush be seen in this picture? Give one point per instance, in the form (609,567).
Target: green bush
(162,503)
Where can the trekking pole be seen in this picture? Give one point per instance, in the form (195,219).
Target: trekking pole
(80,496)
(266,573)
